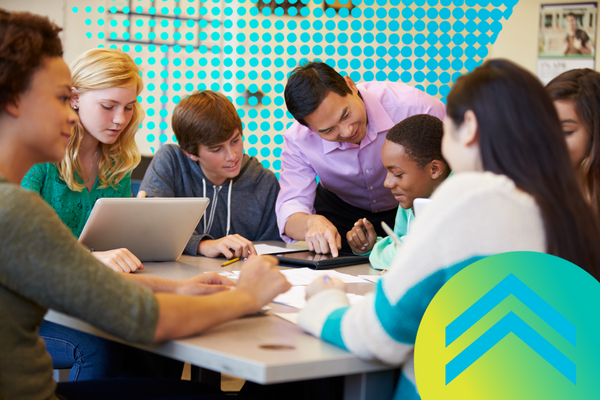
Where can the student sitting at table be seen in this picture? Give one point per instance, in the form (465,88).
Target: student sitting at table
(412,156)
(210,162)
(514,190)
(43,266)
(102,151)
(576,96)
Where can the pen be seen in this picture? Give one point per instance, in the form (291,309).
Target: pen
(391,233)
(226,263)
(382,272)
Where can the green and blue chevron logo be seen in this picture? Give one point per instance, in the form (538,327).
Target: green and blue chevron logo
(518,325)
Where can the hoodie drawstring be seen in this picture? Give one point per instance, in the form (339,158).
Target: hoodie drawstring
(214,206)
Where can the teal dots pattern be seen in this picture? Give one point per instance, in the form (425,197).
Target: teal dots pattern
(247,48)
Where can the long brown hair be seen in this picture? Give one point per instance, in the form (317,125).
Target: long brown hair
(520,137)
(582,86)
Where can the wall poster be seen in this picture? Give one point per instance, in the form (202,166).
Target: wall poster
(567,38)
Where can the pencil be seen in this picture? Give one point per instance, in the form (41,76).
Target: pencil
(226,263)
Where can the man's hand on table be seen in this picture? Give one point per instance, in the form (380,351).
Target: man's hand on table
(207,283)
(322,236)
(230,246)
(261,279)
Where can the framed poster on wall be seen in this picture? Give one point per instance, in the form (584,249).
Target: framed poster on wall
(567,38)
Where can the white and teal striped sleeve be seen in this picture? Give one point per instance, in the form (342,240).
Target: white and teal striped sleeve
(466,221)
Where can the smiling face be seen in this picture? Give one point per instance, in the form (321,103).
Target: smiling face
(221,161)
(404,177)
(105,113)
(45,113)
(576,134)
(340,118)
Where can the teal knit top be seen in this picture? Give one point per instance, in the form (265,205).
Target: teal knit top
(73,208)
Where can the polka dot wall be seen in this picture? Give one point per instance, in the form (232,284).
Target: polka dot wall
(246,49)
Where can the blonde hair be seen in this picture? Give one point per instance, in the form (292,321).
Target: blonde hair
(102,69)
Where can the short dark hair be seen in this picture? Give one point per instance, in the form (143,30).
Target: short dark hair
(308,86)
(421,137)
(207,118)
(25,41)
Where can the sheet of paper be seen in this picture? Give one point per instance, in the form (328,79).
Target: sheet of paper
(267,249)
(370,278)
(296,297)
(305,276)
(290,317)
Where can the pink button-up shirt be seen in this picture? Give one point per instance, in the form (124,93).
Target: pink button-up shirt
(354,172)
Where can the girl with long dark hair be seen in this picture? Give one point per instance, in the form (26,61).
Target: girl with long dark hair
(513,190)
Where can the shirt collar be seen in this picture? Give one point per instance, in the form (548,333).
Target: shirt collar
(379,121)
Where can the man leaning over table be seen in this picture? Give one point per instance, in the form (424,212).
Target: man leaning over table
(338,134)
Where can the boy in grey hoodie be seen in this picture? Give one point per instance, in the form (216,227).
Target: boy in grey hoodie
(209,162)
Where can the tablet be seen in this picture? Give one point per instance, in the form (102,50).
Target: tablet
(153,229)
(419,205)
(313,260)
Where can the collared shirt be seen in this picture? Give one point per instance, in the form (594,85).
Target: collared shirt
(354,172)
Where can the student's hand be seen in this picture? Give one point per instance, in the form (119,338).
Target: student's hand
(261,278)
(207,283)
(141,194)
(322,236)
(230,246)
(362,237)
(324,283)
(120,260)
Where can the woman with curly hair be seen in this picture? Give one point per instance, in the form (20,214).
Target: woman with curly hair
(101,152)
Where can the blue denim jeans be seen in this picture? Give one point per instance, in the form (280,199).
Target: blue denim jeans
(93,358)
(88,356)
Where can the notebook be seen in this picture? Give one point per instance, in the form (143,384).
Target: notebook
(313,260)
(153,229)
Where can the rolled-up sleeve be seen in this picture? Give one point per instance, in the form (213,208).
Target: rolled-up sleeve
(298,185)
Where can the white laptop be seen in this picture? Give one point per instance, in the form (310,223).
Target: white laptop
(153,229)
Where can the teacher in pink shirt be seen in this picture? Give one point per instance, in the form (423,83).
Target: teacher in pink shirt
(338,135)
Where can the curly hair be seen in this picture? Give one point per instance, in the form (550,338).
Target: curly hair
(421,137)
(25,41)
(102,69)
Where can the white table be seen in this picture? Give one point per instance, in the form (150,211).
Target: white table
(264,349)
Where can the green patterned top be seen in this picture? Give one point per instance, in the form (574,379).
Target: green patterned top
(73,208)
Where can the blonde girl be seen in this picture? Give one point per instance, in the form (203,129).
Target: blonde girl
(101,152)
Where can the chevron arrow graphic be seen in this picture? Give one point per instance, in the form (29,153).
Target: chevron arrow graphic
(510,323)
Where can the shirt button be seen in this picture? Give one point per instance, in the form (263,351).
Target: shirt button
(371,188)
(367,171)
(374,201)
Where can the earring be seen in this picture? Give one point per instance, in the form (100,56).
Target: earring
(75,107)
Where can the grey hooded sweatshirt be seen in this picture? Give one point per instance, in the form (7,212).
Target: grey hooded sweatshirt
(244,205)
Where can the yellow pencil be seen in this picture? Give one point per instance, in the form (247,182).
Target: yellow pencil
(226,263)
